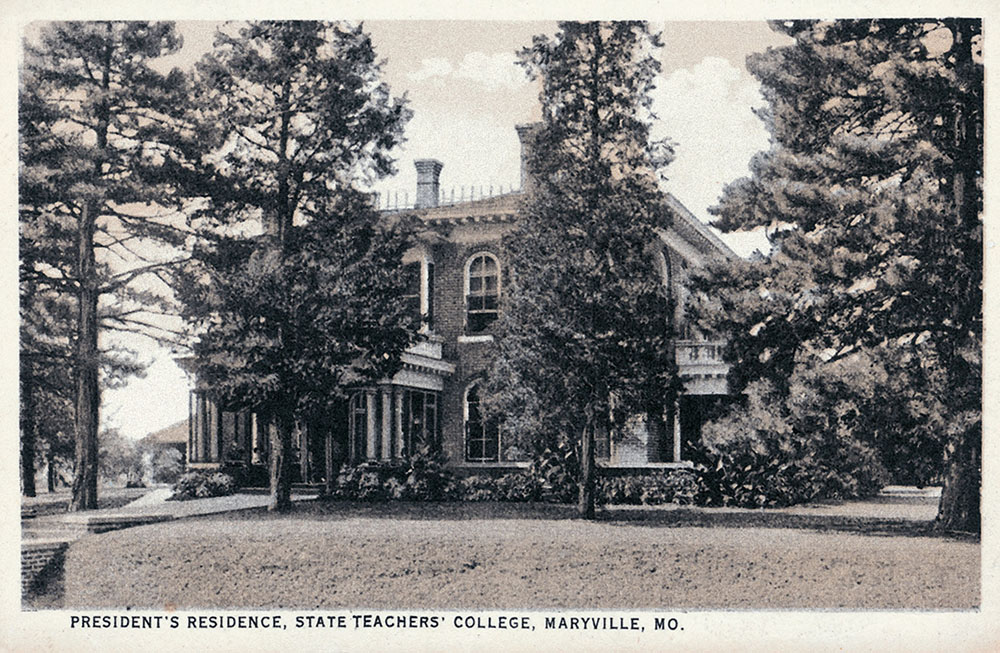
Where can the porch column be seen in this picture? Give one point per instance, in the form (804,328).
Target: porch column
(219,443)
(387,423)
(254,440)
(328,451)
(677,431)
(371,452)
(190,451)
(398,403)
(245,423)
(304,462)
(206,419)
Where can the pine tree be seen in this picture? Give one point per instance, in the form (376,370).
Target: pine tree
(96,127)
(874,189)
(584,337)
(289,317)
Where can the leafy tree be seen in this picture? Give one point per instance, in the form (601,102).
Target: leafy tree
(165,463)
(584,339)
(120,459)
(873,189)
(287,318)
(96,128)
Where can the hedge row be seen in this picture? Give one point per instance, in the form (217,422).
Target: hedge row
(421,480)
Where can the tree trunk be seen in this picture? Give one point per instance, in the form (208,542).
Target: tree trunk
(87,391)
(587,478)
(280,428)
(27,433)
(50,471)
(959,507)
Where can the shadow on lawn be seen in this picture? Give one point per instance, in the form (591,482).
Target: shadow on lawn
(667,517)
(696,518)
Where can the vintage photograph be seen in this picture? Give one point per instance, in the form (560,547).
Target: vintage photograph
(478,315)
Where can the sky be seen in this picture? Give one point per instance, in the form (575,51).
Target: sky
(467,94)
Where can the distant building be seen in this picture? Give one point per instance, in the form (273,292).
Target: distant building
(456,283)
(174,436)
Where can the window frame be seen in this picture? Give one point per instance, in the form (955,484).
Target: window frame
(469,312)
(357,405)
(498,458)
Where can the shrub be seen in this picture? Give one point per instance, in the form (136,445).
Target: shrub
(768,455)
(167,465)
(518,487)
(676,486)
(202,485)
(555,470)
(478,488)
(421,478)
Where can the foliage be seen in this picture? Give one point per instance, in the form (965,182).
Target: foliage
(121,459)
(287,319)
(423,477)
(478,488)
(202,485)
(680,486)
(558,472)
(97,127)
(288,332)
(165,464)
(519,487)
(583,285)
(873,193)
(781,450)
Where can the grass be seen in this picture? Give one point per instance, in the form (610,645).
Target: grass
(499,556)
(46,503)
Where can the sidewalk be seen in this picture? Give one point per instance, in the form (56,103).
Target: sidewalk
(150,508)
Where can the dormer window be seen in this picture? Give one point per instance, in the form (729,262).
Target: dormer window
(482,291)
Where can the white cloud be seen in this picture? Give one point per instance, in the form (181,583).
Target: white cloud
(707,110)
(430,68)
(494,72)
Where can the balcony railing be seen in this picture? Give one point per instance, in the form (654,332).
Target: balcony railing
(700,352)
(701,366)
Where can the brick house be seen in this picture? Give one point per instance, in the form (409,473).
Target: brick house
(456,282)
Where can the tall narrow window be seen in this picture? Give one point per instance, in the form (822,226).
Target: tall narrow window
(429,295)
(482,292)
(420,423)
(358,424)
(411,297)
(482,437)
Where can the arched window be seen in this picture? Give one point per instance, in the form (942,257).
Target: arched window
(482,291)
(482,437)
(668,269)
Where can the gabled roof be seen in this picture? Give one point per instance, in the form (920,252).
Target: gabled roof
(173,434)
(697,232)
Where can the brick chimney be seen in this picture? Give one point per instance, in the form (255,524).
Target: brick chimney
(526,133)
(428,184)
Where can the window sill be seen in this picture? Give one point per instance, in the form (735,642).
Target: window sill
(477,338)
(682,464)
(511,464)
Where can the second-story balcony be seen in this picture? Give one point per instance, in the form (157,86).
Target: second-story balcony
(701,366)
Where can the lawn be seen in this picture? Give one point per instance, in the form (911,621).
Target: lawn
(500,556)
(46,503)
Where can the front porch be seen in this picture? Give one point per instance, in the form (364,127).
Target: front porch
(386,421)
